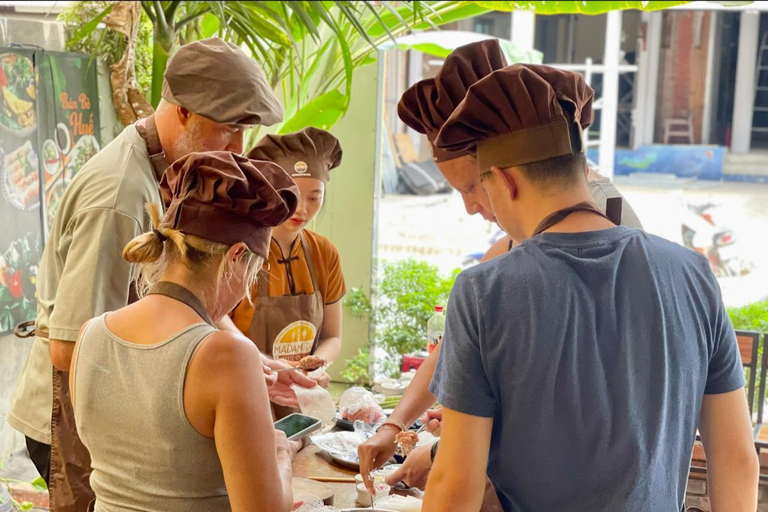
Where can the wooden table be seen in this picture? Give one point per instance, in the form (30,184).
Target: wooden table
(311,461)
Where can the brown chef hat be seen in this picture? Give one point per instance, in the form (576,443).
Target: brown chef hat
(227,198)
(312,153)
(217,80)
(428,103)
(520,114)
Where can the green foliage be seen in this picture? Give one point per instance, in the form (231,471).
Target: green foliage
(87,37)
(752,317)
(357,368)
(307,49)
(39,484)
(405,298)
(577,7)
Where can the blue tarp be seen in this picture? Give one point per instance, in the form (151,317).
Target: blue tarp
(684,161)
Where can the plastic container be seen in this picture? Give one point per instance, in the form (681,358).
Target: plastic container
(6,503)
(364,498)
(435,328)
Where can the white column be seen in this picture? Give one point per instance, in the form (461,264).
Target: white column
(706,123)
(744,91)
(647,77)
(610,93)
(415,74)
(523,29)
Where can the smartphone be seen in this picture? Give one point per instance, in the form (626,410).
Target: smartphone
(297,425)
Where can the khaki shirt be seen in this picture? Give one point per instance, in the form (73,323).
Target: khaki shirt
(82,272)
(603,189)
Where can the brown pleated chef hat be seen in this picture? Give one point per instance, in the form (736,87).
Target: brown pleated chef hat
(227,198)
(520,114)
(426,106)
(310,153)
(217,80)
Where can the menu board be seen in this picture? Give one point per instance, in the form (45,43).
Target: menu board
(48,130)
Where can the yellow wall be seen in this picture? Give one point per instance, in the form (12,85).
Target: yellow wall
(348,214)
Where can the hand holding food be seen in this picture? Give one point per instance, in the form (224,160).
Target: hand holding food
(415,470)
(407,440)
(323,379)
(311,363)
(433,420)
(280,392)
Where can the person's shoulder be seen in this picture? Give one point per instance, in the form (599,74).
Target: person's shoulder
(227,351)
(663,248)
(118,177)
(320,243)
(512,265)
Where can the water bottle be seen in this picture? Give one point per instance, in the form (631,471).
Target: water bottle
(435,328)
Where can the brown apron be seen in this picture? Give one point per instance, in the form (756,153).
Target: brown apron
(181,294)
(70,489)
(288,327)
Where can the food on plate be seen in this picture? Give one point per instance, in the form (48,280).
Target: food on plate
(359,404)
(366,414)
(17,90)
(22,183)
(85,147)
(407,440)
(311,363)
(51,157)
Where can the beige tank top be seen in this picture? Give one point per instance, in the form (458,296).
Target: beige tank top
(129,411)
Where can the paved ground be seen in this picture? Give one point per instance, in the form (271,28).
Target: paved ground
(438,230)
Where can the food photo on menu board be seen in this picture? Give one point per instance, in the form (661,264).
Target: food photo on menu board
(47,133)
(18,86)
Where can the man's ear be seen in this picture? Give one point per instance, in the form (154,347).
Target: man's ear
(507,181)
(183,115)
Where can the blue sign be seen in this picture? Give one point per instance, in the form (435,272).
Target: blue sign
(702,162)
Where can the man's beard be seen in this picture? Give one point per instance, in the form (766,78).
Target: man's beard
(188,142)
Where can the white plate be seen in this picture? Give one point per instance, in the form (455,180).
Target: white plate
(341,446)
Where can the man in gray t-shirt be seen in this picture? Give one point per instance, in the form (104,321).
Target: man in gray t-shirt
(576,368)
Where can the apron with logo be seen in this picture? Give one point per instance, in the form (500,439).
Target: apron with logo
(70,489)
(288,327)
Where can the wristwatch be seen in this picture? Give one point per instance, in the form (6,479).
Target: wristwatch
(433,452)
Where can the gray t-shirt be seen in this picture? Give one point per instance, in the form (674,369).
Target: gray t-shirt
(591,352)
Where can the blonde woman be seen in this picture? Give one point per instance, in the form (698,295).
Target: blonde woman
(175,413)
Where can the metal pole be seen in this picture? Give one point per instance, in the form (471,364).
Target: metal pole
(744,91)
(611,60)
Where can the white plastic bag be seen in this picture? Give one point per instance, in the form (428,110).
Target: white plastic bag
(360,404)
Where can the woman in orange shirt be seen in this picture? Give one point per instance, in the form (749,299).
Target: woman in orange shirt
(297,310)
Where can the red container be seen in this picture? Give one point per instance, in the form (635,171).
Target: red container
(412,362)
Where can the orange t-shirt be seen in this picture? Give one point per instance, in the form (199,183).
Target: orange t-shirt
(292,277)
